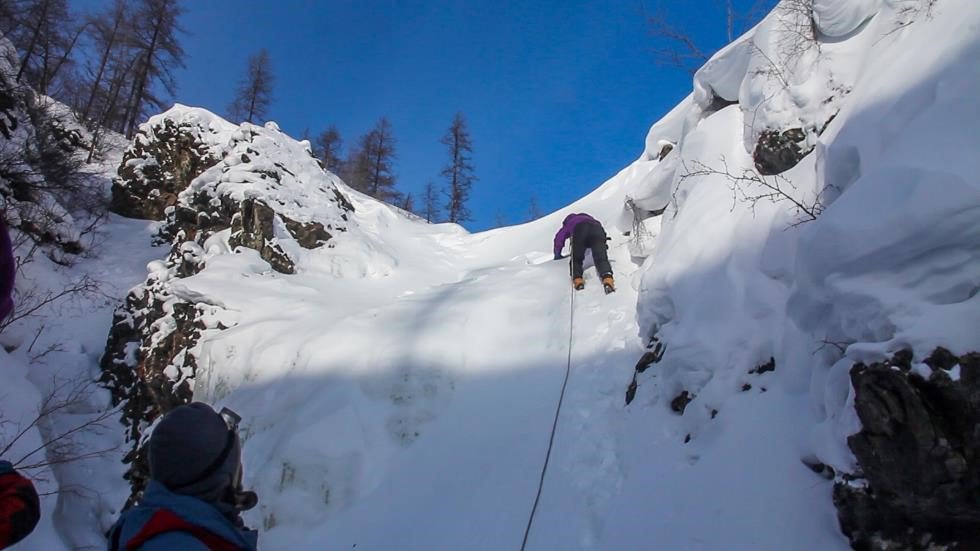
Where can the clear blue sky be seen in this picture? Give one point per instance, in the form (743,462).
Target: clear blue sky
(558,94)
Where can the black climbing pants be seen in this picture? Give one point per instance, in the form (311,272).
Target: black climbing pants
(589,235)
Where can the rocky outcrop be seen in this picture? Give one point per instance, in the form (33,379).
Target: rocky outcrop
(655,351)
(680,402)
(43,189)
(776,152)
(208,180)
(160,164)
(919,454)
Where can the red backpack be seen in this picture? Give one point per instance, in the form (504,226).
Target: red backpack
(164,521)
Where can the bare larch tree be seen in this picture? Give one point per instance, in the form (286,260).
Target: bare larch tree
(157,54)
(459,170)
(371,162)
(430,203)
(328,145)
(677,47)
(255,90)
(109,36)
(45,35)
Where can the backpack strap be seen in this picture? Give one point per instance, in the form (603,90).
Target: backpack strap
(114,537)
(164,521)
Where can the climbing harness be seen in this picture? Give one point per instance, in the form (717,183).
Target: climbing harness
(554,424)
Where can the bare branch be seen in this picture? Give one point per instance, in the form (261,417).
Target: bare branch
(750,187)
(33,300)
(61,445)
(840,346)
(683,53)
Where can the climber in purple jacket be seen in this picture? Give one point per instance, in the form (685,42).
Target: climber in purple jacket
(7,270)
(586,233)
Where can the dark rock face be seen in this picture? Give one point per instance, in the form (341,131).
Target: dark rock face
(176,171)
(717,104)
(252,227)
(654,353)
(763,368)
(776,152)
(919,454)
(148,364)
(155,169)
(679,403)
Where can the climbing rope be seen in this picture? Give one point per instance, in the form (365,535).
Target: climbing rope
(554,424)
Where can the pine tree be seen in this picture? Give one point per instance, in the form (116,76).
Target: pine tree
(9,16)
(370,168)
(119,76)
(254,91)
(430,203)
(408,203)
(45,35)
(533,210)
(328,145)
(459,171)
(108,33)
(157,53)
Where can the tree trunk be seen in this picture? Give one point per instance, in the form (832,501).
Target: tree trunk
(102,64)
(251,105)
(34,39)
(144,74)
(64,57)
(377,171)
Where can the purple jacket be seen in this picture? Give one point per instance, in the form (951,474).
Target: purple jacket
(567,227)
(7,270)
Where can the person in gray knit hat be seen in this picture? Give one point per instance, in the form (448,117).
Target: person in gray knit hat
(195,496)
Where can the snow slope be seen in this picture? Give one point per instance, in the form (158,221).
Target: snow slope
(55,352)
(407,403)
(422,422)
(398,390)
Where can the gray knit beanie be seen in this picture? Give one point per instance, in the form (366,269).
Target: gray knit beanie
(193,452)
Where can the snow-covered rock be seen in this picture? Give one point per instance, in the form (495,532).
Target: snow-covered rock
(220,187)
(864,245)
(43,186)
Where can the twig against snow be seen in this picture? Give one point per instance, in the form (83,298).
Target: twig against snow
(32,300)
(839,345)
(751,187)
(60,445)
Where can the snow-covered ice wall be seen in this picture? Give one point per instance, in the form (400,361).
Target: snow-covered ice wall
(869,245)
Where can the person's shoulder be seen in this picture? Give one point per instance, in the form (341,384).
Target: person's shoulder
(174,540)
(13,482)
